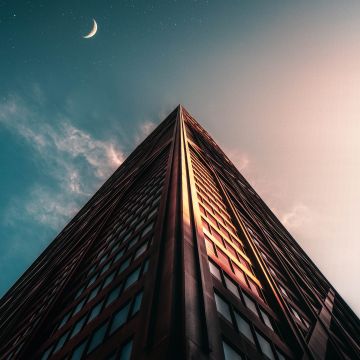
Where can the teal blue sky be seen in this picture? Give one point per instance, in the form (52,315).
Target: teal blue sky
(275,82)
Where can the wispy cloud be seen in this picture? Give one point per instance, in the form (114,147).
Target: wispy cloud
(145,129)
(75,160)
(298,216)
(239,158)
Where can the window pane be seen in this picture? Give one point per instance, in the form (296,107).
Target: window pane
(250,304)
(147,230)
(280,355)
(120,318)
(109,279)
(137,303)
(79,292)
(93,293)
(214,270)
(231,286)
(222,307)
(78,327)
(46,354)
(266,319)
(124,265)
(230,353)
(97,337)
(95,311)
(77,354)
(239,273)
(141,250)
(265,346)
(79,307)
(64,320)
(244,327)
(61,342)
(146,266)
(132,278)
(114,294)
(126,351)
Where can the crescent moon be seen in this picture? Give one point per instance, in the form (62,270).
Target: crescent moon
(92,32)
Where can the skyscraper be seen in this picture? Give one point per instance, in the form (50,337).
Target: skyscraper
(176,257)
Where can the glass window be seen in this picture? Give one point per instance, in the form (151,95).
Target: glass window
(78,326)
(214,270)
(119,255)
(133,242)
(125,353)
(64,320)
(250,304)
(137,303)
(78,352)
(266,319)
(232,286)
(79,292)
(239,273)
(78,307)
(140,224)
(147,229)
(61,342)
(132,278)
(209,245)
(98,337)
(95,311)
(113,295)
(222,307)
(265,346)
(92,280)
(222,256)
(140,250)
(280,355)
(120,318)
(124,265)
(109,279)
(105,268)
(93,293)
(230,353)
(45,354)
(244,327)
(146,266)
(152,213)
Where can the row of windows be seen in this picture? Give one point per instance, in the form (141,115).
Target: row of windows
(225,237)
(235,290)
(290,298)
(218,220)
(114,262)
(113,295)
(143,196)
(224,244)
(230,265)
(100,335)
(121,233)
(125,249)
(120,317)
(246,329)
(101,261)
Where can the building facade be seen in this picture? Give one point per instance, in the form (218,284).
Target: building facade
(176,257)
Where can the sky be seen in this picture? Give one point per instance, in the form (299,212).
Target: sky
(277,84)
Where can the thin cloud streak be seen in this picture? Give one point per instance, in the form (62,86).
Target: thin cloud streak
(76,162)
